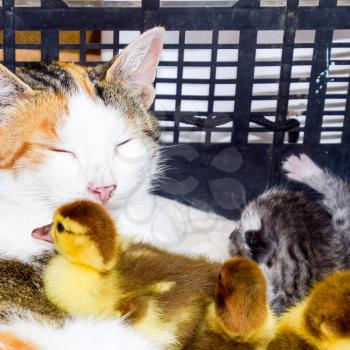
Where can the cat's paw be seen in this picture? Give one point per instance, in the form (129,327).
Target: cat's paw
(300,168)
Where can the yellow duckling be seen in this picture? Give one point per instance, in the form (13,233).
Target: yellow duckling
(168,297)
(94,273)
(81,279)
(321,321)
(239,318)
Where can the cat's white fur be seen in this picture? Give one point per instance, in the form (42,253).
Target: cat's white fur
(78,334)
(92,132)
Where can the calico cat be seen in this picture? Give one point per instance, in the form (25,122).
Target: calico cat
(69,132)
(295,241)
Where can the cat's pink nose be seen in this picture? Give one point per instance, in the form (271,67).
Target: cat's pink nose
(103,193)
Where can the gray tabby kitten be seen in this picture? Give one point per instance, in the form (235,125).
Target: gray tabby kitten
(293,239)
(335,191)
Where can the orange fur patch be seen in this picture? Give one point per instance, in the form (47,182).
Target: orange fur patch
(29,129)
(9,341)
(79,74)
(241,296)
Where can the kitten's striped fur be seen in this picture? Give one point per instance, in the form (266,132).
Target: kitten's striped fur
(335,191)
(294,244)
(297,242)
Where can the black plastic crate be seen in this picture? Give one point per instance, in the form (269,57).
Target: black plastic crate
(222,175)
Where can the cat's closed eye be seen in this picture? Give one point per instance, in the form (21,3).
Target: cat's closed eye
(122,143)
(57,150)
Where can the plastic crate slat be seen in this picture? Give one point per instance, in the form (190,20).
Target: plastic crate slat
(179,84)
(284,89)
(245,78)
(346,126)
(318,84)
(9,34)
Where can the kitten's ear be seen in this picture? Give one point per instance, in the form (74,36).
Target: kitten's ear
(11,90)
(138,63)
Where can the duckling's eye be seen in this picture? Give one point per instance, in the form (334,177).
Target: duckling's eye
(220,277)
(60,227)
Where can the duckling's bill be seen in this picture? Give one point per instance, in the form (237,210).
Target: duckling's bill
(43,233)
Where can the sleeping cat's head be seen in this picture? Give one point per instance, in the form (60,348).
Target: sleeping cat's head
(68,132)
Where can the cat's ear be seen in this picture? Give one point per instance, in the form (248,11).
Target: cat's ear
(11,90)
(138,63)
